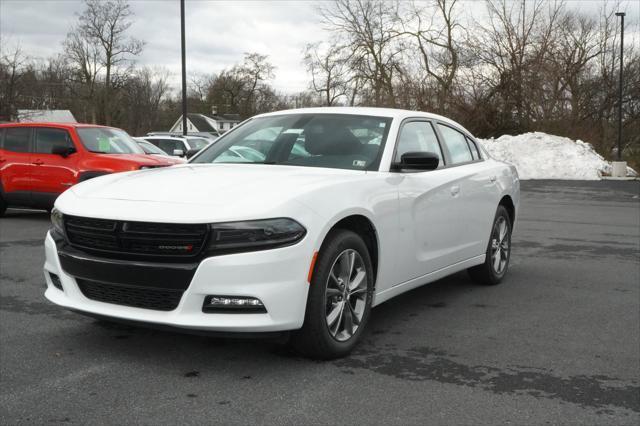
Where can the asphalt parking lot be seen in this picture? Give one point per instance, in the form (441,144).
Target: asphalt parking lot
(557,343)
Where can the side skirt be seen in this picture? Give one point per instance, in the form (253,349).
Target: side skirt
(426,279)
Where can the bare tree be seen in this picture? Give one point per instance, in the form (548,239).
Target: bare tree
(577,46)
(330,73)
(436,40)
(145,91)
(367,28)
(199,84)
(12,63)
(103,28)
(244,88)
(255,70)
(84,59)
(514,44)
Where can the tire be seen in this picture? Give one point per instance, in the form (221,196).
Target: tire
(3,206)
(491,272)
(326,333)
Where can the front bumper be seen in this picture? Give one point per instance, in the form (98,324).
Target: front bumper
(277,277)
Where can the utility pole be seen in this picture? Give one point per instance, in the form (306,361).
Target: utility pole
(621,15)
(184,71)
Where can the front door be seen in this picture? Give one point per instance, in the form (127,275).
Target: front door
(53,174)
(429,207)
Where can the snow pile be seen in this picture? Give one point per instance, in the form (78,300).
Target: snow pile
(539,155)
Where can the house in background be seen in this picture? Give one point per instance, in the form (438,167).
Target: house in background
(203,123)
(45,115)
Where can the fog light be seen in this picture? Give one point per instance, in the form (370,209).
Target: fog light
(55,280)
(232,304)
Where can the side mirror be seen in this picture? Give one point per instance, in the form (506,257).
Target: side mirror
(192,152)
(63,151)
(417,161)
(178,153)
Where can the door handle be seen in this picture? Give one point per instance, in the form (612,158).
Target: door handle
(493,179)
(38,162)
(455,189)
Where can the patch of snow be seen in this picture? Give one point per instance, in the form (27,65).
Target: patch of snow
(539,155)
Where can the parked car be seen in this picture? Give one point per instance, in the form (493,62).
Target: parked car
(178,146)
(212,135)
(151,149)
(343,209)
(38,161)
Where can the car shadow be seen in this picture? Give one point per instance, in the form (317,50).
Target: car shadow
(173,348)
(27,214)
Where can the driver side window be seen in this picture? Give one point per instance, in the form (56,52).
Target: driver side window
(48,138)
(418,136)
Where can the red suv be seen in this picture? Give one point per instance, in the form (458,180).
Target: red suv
(38,161)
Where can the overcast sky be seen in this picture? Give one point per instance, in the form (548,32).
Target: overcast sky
(218,32)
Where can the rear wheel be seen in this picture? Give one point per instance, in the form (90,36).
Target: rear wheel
(340,296)
(498,252)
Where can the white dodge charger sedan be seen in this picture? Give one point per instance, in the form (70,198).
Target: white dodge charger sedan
(298,221)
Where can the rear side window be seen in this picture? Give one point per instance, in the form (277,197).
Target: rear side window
(456,143)
(16,139)
(47,139)
(474,149)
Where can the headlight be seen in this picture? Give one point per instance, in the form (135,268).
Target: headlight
(56,221)
(254,235)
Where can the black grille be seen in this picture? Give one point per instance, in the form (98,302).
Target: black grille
(138,297)
(142,238)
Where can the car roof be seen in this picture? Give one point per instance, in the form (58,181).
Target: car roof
(173,137)
(170,137)
(399,114)
(52,124)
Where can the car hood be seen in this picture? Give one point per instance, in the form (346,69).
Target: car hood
(168,158)
(223,190)
(141,159)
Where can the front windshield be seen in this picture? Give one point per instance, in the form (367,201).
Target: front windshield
(197,143)
(339,141)
(107,140)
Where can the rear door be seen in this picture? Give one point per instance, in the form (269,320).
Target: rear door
(15,165)
(477,195)
(52,173)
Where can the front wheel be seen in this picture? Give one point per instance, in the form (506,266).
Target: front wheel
(3,206)
(340,296)
(498,252)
